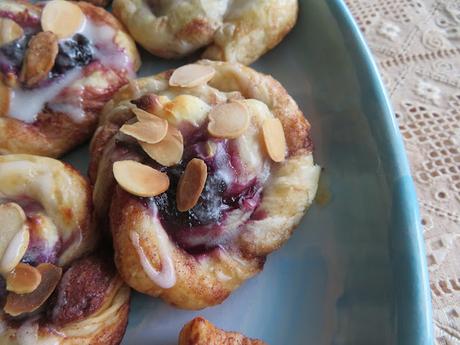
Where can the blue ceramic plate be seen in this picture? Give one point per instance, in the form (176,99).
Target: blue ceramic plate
(354,272)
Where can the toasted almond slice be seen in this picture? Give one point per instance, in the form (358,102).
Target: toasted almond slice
(39,58)
(15,250)
(17,304)
(64,18)
(9,31)
(191,184)
(228,120)
(23,279)
(5,99)
(191,75)
(149,131)
(143,116)
(169,151)
(12,220)
(275,141)
(140,179)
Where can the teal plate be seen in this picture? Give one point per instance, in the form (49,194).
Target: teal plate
(354,272)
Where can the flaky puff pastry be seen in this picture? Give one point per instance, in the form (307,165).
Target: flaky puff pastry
(200,331)
(63,296)
(231,30)
(53,86)
(249,204)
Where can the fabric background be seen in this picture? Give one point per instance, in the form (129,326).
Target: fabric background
(417,47)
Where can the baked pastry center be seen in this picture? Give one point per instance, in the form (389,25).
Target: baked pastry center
(236,164)
(225,202)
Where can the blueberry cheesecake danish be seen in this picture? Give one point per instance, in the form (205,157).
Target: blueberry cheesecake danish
(200,331)
(229,30)
(60,61)
(52,290)
(202,172)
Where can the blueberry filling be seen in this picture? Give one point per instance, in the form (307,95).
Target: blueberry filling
(76,52)
(202,228)
(73,53)
(12,54)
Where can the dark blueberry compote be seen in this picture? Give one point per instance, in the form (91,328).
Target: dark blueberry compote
(12,54)
(210,223)
(75,52)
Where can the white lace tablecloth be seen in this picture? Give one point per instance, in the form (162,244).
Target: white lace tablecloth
(417,47)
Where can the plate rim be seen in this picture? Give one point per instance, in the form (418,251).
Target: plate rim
(415,326)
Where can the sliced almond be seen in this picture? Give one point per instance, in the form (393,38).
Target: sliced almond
(15,250)
(228,120)
(5,99)
(169,151)
(191,75)
(39,58)
(151,131)
(140,179)
(64,18)
(143,115)
(9,31)
(191,184)
(274,139)
(12,220)
(17,304)
(23,279)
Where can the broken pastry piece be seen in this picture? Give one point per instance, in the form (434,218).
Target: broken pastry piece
(52,290)
(200,331)
(201,172)
(60,61)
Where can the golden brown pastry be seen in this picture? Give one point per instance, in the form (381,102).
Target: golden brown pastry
(231,30)
(200,331)
(202,172)
(60,62)
(51,290)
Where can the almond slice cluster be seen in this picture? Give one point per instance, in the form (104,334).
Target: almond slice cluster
(191,75)
(15,236)
(169,151)
(9,31)
(150,129)
(28,287)
(139,179)
(160,140)
(17,304)
(63,18)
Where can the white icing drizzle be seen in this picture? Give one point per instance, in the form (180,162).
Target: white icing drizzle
(75,112)
(105,50)
(27,334)
(166,278)
(27,104)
